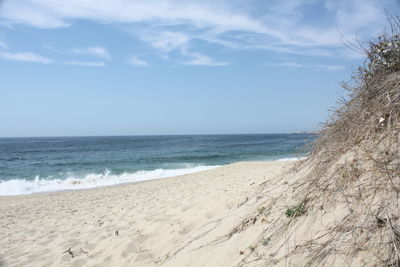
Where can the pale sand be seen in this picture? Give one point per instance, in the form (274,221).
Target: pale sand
(180,221)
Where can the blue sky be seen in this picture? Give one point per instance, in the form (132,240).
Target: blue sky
(86,67)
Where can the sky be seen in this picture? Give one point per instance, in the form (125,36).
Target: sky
(153,67)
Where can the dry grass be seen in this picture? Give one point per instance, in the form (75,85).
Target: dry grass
(356,161)
(347,190)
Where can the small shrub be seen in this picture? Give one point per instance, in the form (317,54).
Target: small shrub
(384,55)
(266,241)
(295,211)
(264,210)
(261,210)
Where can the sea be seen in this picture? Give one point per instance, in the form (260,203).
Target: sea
(48,164)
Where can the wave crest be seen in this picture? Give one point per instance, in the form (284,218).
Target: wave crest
(292,159)
(41,185)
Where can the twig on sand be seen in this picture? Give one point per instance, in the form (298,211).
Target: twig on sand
(69,251)
(240,204)
(84,252)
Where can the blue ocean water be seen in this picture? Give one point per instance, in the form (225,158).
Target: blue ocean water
(32,165)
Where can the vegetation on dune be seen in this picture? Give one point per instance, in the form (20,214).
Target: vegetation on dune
(295,211)
(356,162)
(341,205)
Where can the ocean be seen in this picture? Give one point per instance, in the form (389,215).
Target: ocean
(46,164)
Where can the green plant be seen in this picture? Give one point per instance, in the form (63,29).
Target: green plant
(295,211)
(261,210)
(264,210)
(266,241)
(384,55)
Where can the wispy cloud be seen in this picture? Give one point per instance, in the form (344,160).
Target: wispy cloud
(28,12)
(25,56)
(96,51)
(202,60)
(168,25)
(317,67)
(51,14)
(166,40)
(86,63)
(136,61)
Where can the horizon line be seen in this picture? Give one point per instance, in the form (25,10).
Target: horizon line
(142,135)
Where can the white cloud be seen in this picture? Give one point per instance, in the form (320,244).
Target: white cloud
(25,56)
(86,63)
(279,26)
(31,13)
(317,67)
(134,60)
(96,51)
(202,60)
(51,13)
(166,40)
(358,15)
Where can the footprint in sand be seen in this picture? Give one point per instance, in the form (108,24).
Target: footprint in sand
(130,249)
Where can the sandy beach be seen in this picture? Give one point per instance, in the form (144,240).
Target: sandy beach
(179,221)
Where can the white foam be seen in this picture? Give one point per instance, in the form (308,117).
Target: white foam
(40,185)
(292,159)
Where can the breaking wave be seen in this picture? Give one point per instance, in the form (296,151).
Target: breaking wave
(41,185)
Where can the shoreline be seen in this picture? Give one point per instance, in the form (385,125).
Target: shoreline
(132,224)
(110,186)
(78,181)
